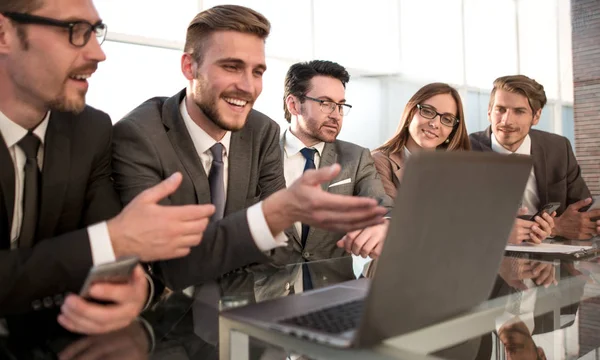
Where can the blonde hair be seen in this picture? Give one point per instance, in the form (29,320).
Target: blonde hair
(523,85)
(459,138)
(223,18)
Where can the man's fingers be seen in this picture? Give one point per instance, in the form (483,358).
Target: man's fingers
(317,177)
(346,221)
(187,212)
(581,203)
(359,242)
(160,191)
(522,211)
(376,251)
(368,247)
(346,203)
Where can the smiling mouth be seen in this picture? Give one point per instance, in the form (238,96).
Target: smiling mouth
(80,77)
(429,133)
(235,102)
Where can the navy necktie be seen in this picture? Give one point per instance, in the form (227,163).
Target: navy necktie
(216,180)
(309,155)
(30,144)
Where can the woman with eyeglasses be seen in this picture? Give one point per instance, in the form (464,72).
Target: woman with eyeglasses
(433,119)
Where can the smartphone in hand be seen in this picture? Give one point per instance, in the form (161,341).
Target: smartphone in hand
(119,271)
(549,208)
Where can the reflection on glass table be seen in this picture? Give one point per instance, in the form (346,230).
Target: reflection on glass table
(537,308)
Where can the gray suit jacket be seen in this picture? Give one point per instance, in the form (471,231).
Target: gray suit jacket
(152,142)
(358,166)
(556,170)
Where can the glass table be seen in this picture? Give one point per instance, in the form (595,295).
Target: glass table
(556,318)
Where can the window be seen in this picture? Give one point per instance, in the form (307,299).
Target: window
(568,124)
(538,43)
(359,37)
(132,74)
(490,41)
(291,26)
(431,38)
(148,18)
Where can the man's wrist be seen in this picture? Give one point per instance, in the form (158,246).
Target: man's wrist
(277,215)
(114,231)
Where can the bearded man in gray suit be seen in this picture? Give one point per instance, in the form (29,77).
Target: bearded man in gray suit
(315,106)
(227,153)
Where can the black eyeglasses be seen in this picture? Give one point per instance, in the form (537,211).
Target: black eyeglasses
(80,31)
(329,107)
(429,112)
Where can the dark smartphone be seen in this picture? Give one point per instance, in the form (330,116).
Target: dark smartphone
(119,271)
(548,208)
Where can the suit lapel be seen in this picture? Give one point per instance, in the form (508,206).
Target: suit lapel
(328,158)
(240,162)
(184,147)
(55,171)
(7,194)
(539,167)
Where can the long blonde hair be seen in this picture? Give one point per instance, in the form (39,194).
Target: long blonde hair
(459,138)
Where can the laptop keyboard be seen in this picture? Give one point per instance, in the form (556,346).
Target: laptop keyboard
(333,320)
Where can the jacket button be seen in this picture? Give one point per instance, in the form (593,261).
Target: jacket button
(36,304)
(306,254)
(58,300)
(287,285)
(48,303)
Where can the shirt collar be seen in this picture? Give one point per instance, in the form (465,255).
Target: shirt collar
(202,141)
(13,132)
(524,149)
(293,145)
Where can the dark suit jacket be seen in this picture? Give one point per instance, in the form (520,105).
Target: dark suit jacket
(358,167)
(76,191)
(152,142)
(556,170)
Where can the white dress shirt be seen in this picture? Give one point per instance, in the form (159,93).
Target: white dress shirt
(257,223)
(100,244)
(531,199)
(294,161)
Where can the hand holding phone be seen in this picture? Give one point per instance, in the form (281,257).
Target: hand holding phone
(119,271)
(549,208)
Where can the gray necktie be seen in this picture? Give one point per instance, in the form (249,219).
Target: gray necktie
(30,144)
(216,180)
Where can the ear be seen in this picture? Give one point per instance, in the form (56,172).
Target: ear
(293,105)
(6,34)
(489,114)
(188,66)
(536,117)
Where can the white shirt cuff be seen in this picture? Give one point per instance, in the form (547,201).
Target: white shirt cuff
(150,292)
(102,250)
(259,229)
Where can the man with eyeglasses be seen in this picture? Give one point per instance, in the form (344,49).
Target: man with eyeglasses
(227,152)
(59,212)
(516,104)
(315,107)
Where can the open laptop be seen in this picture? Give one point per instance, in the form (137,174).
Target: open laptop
(452,217)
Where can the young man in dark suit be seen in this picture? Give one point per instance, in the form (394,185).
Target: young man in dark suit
(59,212)
(227,152)
(516,104)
